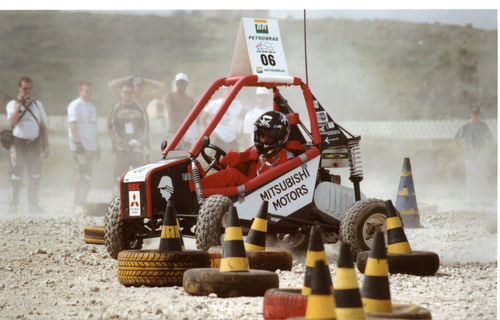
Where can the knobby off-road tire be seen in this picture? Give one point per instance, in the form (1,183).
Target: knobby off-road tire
(284,304)
(93,235)
(202,282)
(359,223)
(420,263)
(209,223)
(116,231)
(158,269)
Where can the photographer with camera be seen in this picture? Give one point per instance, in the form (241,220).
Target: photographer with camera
(28,121)
(128,127)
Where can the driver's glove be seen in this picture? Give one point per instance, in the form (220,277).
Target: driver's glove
(231,159)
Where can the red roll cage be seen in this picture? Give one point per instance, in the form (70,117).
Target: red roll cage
(237,83)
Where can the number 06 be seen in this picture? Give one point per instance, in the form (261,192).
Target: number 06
(269,59)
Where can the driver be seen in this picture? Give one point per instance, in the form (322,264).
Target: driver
(271,132)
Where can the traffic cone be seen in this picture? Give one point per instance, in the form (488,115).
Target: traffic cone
(406,201)
(396,237)
(180,235)
(315,251)
(347,296)
(234,256)
(170,239)
(320,302)
(256,238)
(376,292)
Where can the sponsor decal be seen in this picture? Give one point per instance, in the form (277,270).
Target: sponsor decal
(290,189)
(134,203)
(286,194)
(322,116)
(261,26)
(166,187)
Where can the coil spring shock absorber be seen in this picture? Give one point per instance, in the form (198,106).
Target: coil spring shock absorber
(196,180)
(355,168)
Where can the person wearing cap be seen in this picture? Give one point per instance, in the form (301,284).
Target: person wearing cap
(138,83)
(178,104)
(264,103)
(474,140)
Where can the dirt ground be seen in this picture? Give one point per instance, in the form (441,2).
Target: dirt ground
(48,272)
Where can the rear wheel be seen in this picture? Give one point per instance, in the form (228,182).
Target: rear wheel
(119,234)
(360,222)
(209,222)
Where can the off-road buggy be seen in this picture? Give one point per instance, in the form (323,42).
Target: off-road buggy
(300,192)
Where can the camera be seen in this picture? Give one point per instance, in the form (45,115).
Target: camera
(27,100)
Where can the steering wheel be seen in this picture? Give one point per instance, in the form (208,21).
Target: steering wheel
(213,162)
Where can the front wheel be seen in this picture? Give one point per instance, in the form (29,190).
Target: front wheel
(360,222)
(210,219)
(119,235)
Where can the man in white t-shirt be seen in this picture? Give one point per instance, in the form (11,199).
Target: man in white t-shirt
(28,119)
(264,104)
(83,142)
(225,133)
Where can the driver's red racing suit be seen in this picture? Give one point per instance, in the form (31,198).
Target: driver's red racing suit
(242,167)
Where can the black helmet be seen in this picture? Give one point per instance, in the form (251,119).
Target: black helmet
(274,124)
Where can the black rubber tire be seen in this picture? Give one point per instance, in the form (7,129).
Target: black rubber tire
(93,235)
(97,209)
(158,269)
(284,304)
(354,219)
(209,222)
(202,282)
(420,263)
(116,237)
(402,311)
(271,259)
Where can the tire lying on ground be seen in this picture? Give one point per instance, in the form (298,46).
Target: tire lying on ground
(158,269)
(284,304)
(271,259)
(402,311)
(421,263)
(202,282)
(118,234)
(93,235)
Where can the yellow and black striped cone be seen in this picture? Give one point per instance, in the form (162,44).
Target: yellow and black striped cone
(376,292)
(256,238)
(315,251)
(396,237)
(348,304)
(320,302)
(234,257)
(406,201)
(180,234)
(170,239)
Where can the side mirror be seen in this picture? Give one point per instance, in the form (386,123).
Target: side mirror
(163,144)
(205,141)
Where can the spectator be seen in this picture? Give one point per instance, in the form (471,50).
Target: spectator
(128,127)
(226,133)
(264,103)
(474,140)
(179,104)
(83,141)
(138,83)
(28,119)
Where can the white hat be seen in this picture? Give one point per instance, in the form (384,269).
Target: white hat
(262,91)
(181,76)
